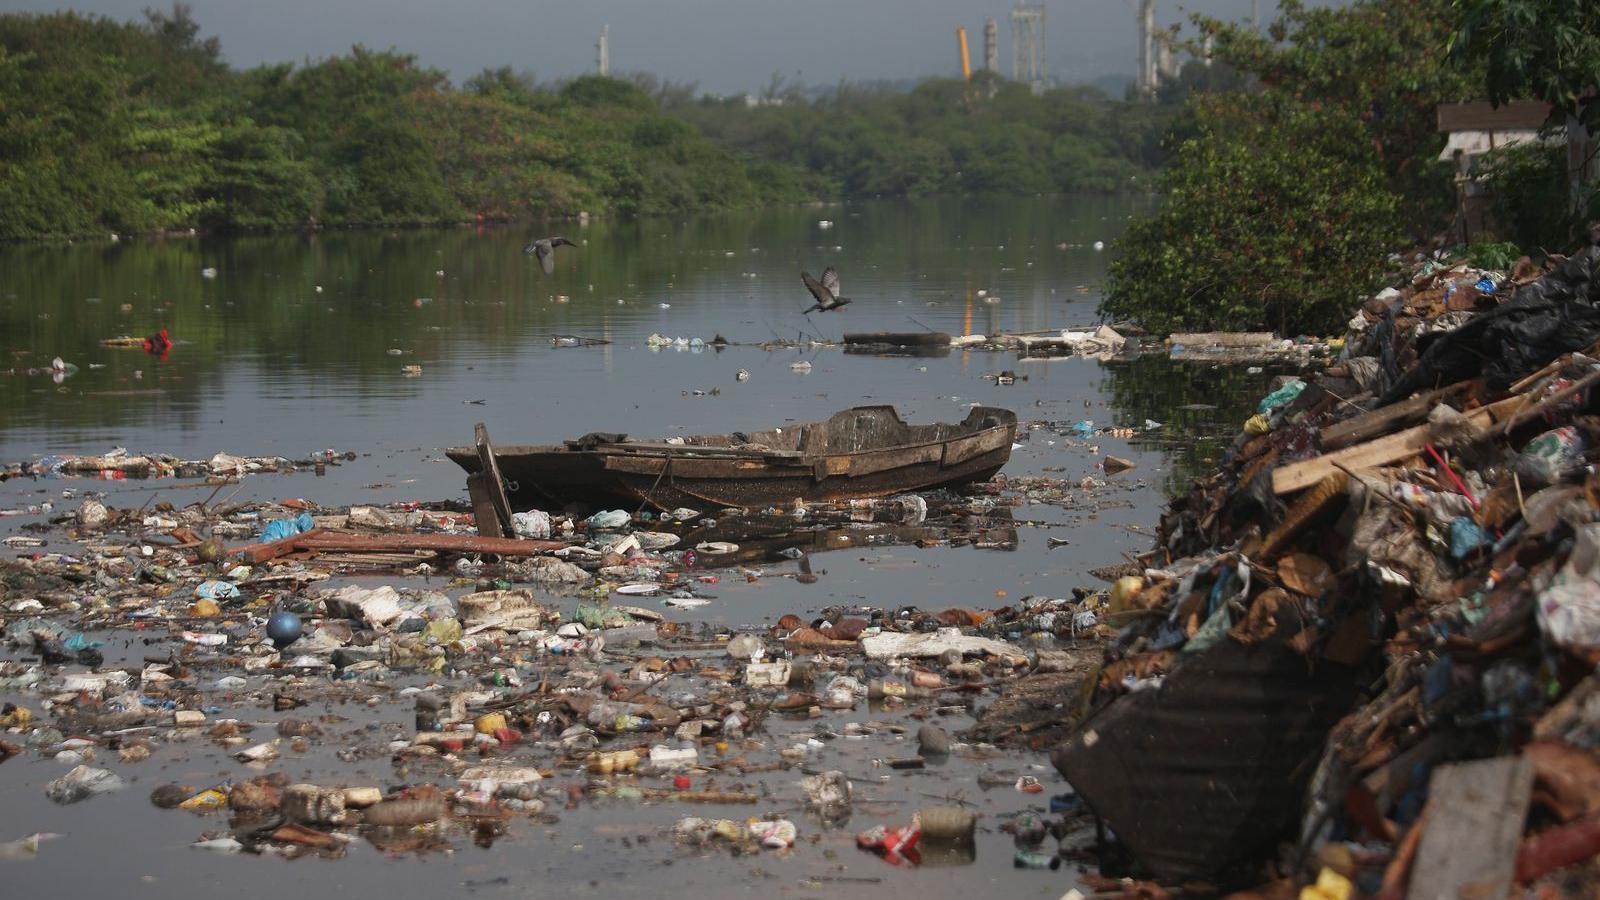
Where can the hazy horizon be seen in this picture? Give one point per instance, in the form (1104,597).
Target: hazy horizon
(719,46)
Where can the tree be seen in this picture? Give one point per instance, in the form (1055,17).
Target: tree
(1282,200)
(1273,219)
(1548,50)
(1545,49)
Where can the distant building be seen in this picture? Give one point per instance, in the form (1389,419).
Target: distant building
(1475,128)
(1028,45)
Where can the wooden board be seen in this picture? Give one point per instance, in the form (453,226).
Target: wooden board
(1356,429)
(1476,812)
(495,485)
(1287,479)
(483,509)
(1481,115)
(404,543)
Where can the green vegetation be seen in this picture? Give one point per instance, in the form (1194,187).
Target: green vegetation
(1284,196)
(113,127)
(1545,50)
(1282,200)
(944,136)
(140,127)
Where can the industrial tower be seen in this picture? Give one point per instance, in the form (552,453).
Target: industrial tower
(1027,45)
(602,51)
(1144,83)
(991,46)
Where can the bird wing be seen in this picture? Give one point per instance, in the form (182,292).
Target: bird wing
(547,257)
(830,280)
(816,288)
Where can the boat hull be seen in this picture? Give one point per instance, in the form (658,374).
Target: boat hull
(672,476)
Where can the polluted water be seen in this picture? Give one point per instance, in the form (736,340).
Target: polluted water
(250,617)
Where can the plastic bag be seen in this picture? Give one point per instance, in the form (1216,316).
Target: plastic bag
(82,783)
(1283,396)
(609,519)
(1569,609)
(533,525)
(1551,456)
(278,529)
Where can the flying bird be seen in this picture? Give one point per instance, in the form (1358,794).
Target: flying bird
(545,249)
(826,291)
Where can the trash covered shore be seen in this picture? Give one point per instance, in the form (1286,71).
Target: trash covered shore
(1360,659)
(385,677)
(1344,613)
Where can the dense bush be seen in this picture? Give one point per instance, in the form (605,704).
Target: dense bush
(123,127)
(1283,198)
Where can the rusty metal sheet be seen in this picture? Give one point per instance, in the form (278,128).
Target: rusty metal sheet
(1209,770)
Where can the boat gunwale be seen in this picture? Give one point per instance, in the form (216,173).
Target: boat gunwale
(687,451)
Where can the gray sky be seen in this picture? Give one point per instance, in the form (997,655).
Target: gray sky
(723,46)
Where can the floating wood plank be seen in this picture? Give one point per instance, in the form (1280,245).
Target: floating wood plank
(1356,429)
(1226,340)
(1401,445)
(496,485)
(899,339)
(1476,814)
(405,543)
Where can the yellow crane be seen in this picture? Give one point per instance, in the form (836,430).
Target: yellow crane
(966,60)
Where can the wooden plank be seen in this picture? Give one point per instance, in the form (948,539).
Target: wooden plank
(1476,812)
(899,338)
(1481,115)
(483,506)
(1229,340)
(1359,428)
(1401,445)
(679,451)
(495,484)
(402,543)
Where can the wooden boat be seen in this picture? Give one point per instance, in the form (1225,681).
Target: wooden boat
(868,451)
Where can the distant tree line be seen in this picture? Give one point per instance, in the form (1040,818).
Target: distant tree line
(137,127)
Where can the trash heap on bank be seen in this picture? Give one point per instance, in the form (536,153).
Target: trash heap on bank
(1361,657)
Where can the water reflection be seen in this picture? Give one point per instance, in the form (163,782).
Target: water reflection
(387,340)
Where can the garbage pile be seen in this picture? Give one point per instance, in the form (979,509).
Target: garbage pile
(118,464)
(530,680)
(1361,657)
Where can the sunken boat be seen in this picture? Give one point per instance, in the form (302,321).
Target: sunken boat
(865,452)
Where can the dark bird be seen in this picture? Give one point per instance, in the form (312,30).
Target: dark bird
(545,249)
(826,291)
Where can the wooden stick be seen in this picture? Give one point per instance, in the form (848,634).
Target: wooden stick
(1537,409)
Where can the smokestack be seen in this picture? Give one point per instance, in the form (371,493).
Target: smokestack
(991,46)
(602,51)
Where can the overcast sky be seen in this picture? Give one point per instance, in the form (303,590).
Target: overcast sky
(723,46)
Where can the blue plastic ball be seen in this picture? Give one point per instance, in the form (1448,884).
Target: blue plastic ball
(283,628)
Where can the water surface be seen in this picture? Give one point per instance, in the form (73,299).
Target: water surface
(299,343)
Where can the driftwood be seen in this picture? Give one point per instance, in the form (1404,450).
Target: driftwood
(322,540)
